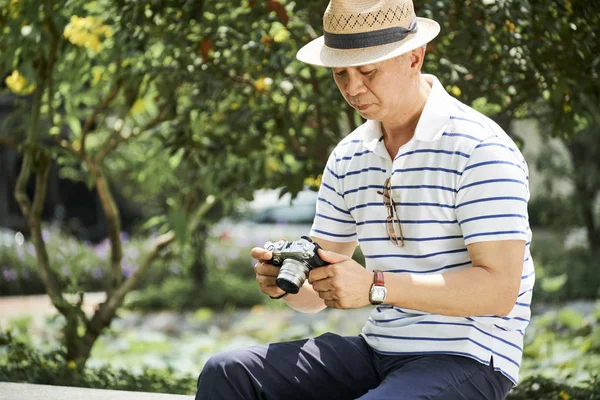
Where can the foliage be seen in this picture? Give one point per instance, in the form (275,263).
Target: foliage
(564,274)
(563,344)
(19,362)
(219,291)
(548,389)
(515,59)
(189,105)
(82,266)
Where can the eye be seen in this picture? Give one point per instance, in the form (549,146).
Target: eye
(367,72)
(340,73)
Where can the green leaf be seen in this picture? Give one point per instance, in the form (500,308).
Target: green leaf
(178,222)
(571,319)
(74,124)
(553,284)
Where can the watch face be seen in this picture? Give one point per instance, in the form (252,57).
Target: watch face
(378,293)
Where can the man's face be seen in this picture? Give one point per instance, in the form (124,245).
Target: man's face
(378,91)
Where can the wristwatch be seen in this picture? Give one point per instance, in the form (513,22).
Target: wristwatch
(378,292)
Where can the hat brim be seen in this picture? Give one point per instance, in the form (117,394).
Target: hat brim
(317,53)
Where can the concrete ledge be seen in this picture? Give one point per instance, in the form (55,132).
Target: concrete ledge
(21,391)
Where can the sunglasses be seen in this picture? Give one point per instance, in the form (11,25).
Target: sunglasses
(393,218)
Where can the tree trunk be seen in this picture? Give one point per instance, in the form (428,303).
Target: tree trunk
(113,219)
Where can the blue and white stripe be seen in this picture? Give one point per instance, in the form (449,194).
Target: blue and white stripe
(460,180)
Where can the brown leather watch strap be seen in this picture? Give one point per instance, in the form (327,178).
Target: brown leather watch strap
(378,278)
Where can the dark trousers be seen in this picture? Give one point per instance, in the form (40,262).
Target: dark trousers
(333,367)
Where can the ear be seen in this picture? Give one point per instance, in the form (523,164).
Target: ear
(417,56)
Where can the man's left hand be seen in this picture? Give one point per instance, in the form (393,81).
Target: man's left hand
(343,283)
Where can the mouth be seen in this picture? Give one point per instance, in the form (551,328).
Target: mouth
(362,107)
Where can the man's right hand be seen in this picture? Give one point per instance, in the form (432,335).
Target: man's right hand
(266,273)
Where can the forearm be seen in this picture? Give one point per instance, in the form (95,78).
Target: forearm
(473,291)
(306,300)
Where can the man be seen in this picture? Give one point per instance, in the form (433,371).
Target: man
(436,195)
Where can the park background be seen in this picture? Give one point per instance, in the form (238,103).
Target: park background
(134,136)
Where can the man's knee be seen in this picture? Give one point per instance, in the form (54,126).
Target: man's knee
(229,365)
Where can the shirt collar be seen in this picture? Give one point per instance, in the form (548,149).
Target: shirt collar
(432,123)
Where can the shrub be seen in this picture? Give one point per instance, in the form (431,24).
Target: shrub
(539,388)
(565,274)
(19,362)
(221,290)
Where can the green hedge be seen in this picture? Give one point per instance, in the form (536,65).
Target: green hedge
(19,362)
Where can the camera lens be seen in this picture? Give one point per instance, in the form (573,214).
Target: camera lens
(292,275)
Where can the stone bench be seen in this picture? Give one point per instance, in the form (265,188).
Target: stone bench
(21,391)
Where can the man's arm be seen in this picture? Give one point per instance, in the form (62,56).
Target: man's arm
(490,287)
(307,300)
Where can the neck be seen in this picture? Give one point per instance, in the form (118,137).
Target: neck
(400,130)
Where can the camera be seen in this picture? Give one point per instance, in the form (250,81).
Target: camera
(295,260)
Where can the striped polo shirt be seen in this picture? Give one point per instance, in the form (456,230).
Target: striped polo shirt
(459,180)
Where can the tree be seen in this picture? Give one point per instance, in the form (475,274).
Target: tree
(191,104)
(166,97)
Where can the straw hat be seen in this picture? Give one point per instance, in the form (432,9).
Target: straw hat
(358,32)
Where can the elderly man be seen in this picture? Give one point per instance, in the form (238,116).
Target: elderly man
(436,195)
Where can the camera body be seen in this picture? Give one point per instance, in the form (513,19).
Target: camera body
(295,260)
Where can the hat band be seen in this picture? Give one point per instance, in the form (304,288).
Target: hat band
(348,41)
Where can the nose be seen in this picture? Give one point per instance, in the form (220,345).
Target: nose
(355,85)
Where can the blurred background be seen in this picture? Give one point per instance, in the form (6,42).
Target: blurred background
(147,146)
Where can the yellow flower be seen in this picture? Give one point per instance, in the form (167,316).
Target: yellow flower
(312,181)
(510,26)
(563,395)
(18,84)
(71,364)
(281,36)
(86,32)
(455,90)
(262,83)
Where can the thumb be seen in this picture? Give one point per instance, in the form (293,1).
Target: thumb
(332,257)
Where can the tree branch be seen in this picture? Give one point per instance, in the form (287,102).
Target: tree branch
(107,310)
(99,108)
(116,139)
(113,219)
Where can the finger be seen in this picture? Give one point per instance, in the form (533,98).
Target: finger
(263,268)
(261,254)
(331,303)
(266,282)
(322,285)
(331,257)
(317,274)
(270,289)
(327,295)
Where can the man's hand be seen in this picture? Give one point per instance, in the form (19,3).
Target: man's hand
(343,283)
(266,273)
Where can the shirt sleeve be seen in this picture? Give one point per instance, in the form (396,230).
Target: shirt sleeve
(493,191)
(332,221)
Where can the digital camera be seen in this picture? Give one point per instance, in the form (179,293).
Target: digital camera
(295,260)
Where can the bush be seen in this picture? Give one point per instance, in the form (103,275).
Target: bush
(565,274)
(19,362)
(219,291)
(542,388)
